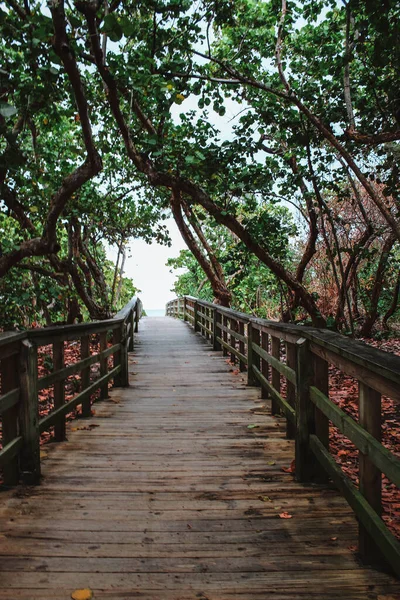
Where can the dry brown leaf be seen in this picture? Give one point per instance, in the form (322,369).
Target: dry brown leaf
(285,515)
(85,594)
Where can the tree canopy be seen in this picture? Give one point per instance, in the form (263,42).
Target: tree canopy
(269,129)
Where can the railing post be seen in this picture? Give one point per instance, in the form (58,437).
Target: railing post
(232,340)
(117,338)
(217,320)
(184,308)
(224,335)
(264,363)
(132,322)
(195,316)
(275,375)
(85,374)
(138,311)
(291,389)
(305,461)
(321,381)
(124,357)
(59,390)
(256,339)
(250,355)
(29,415)
(104,365)
(370,476)
(242,364)
(9,381)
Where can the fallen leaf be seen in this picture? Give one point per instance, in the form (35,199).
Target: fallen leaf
(43,454)
(252,426)
(271,463)
(333,539)
(85,594)
(264,498)
(352,548)
(289,469)
(285,515)
(343,453)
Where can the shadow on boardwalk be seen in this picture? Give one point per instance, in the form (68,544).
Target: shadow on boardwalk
(167,494)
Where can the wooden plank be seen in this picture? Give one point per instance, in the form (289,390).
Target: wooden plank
(234,332)
(283,369)
(362,372)
(166,492)
(8,400)
(10,451)
(231,350)
(288,410)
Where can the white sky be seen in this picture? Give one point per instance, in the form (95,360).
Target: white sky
(146,266)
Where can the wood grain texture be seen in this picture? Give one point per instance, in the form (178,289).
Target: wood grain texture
(171,496)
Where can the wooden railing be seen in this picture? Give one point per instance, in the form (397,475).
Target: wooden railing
(256,345)
(20,384)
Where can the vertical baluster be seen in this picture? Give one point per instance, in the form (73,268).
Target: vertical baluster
(264,363)
(291,389)
(232,338)
(217,331)
(224,335)
(132,321)
(104,364)
(117,336)
(85,374)
(306,463)
(29,415)
(321,381)
(256,339)
(275,375)
(59,390)
(242,347)
(370,417)
(9,381)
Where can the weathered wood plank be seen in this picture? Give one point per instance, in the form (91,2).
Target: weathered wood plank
(171,495)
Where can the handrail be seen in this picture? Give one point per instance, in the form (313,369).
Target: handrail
(255,344)
(19,404)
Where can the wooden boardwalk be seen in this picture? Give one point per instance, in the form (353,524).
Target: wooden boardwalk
(167,494)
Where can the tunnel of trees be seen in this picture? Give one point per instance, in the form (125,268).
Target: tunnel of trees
(268,129)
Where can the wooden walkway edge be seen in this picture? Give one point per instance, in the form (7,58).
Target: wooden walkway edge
(168,494)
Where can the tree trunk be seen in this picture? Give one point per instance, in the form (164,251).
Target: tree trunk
(377,289)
